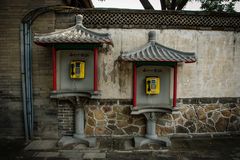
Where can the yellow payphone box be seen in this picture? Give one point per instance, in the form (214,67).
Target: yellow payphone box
(152,85)
(77,69)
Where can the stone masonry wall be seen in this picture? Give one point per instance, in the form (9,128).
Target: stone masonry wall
(201,119)
(109,120)
(116,120)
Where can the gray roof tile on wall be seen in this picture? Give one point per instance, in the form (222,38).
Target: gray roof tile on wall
(153,51)
(75,34)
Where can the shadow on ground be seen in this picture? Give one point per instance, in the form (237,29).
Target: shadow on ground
(195,148)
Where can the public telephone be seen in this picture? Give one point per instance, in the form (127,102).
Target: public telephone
(152,85)
(77,69)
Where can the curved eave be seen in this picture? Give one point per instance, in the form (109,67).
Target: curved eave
(155,52)
(76,34)
(156,61)
(45,44)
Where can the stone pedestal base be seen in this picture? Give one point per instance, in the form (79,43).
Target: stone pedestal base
(139,141)
(151,136)
(66,140)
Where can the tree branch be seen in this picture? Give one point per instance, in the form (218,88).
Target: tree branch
(163,4)
(146,4)
(182,4)
(173,5)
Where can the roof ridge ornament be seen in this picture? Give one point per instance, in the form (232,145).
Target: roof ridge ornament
(153,51)
(75,34)
(79,19)
(152,36)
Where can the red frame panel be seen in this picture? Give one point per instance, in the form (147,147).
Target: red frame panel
(175,86)
(54,68)
(95,81)
(134,85)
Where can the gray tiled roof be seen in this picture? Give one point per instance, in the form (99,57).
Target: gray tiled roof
(75,34)
(154,51)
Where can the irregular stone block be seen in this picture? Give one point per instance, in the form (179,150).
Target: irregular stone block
(111,115)
(201,114)
(210,122)
(209,114)
(106,109)
(206,128)
(233,119)
(236,111)
(121,116)
(100,123)
(90,121)
(216,116)
(122,123)
(176,115)
(190,114)
(93,108)
(99,115)
(180,121)
(191,126)
(164,130)
(211,107)
(90,114)
(118,132)
(94,156)
(164,122)
(111,122)
(142,131)
(140,122)
(126,111)
(166,116)
(89,130)
(100,130)
(226,113)
(221,124)
(181,129)
(131,129)
(112,127)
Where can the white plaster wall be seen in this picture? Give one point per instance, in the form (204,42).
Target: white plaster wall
(216,73)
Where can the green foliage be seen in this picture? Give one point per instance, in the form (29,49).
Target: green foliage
(219,5)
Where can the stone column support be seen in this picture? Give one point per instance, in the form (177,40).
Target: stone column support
(151,125)
(151,136)
(78,136)
(79,123)
(79,117)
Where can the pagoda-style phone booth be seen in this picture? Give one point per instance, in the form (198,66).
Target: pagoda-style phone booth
(75,70)
(154,84)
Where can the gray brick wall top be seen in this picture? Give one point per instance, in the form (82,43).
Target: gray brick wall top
(119,18)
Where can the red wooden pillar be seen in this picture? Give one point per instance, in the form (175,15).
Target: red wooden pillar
(95,81)
(134,85)
(54,68)
(175,86)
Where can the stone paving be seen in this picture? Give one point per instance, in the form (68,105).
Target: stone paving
(184,147)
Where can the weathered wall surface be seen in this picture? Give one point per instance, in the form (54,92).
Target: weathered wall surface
(11,109)
(214,75)
(45,110)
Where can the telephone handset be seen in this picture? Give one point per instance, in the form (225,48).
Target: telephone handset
(77,69)
(152,85)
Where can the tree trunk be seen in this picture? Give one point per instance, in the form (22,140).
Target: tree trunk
(173,5)
(163,4)
(182,4)
(146,4)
